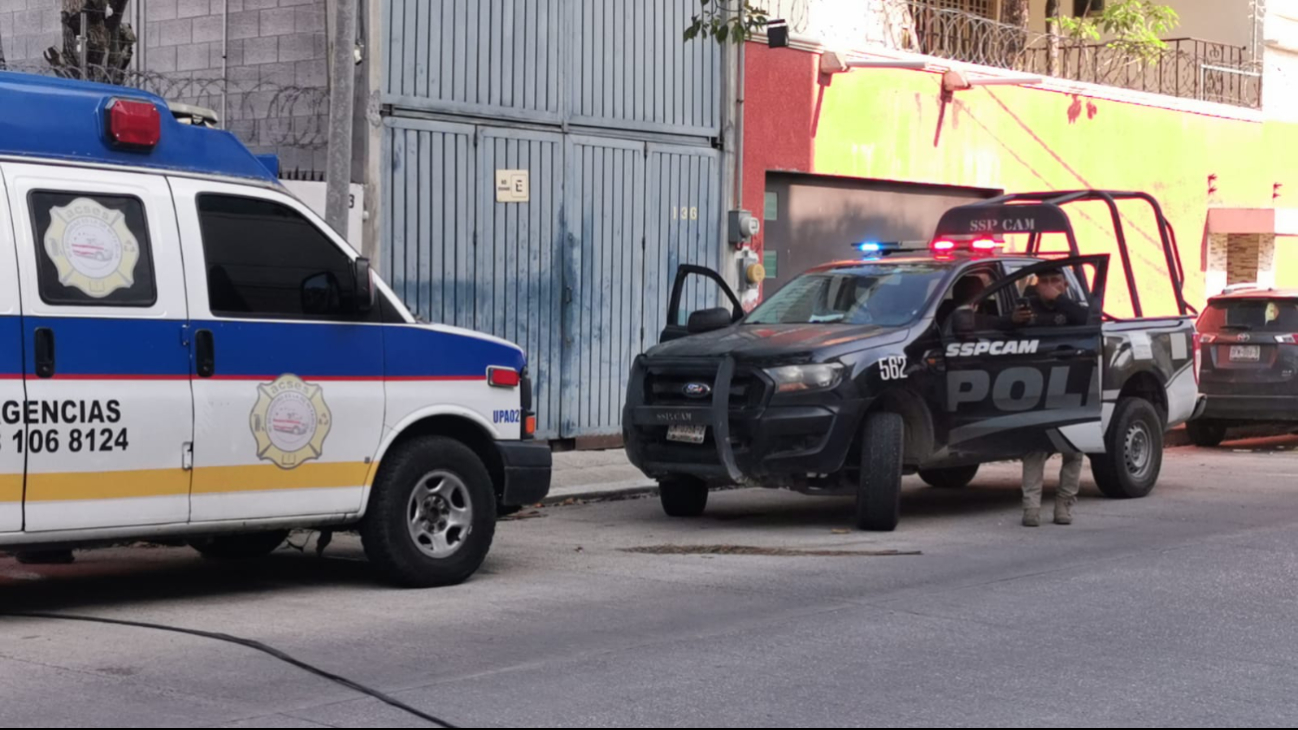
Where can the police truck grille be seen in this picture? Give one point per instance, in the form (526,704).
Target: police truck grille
(671,386)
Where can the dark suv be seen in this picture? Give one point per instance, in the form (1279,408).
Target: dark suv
(1249,369)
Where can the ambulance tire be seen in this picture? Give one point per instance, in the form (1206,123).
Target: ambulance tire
(1133,458)
(243,546)
(1205,434)
(878,492)
(386,532)
(957,477)
(683,496)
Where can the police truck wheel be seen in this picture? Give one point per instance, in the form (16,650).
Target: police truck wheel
(1205,433)
(956,477)
(244,546)
(683,496)
(1134,443)
(432,514)
(878,493)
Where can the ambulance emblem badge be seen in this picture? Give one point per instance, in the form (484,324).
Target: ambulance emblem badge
(290,421)
(92,248)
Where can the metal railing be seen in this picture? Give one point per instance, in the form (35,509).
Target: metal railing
(1188,68)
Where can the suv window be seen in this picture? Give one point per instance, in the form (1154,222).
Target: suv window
(265,259)
(1250,315)
(92,249)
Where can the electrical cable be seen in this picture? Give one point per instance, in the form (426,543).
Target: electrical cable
(249,643)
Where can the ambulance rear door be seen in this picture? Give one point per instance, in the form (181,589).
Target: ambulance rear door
(109,416)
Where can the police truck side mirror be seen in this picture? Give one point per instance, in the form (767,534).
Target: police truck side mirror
(364,285)
(963,321)
(708,320)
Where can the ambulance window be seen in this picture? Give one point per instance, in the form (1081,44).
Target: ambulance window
(92,249)
(265,259)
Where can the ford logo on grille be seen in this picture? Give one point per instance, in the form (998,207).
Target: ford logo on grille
(697,390)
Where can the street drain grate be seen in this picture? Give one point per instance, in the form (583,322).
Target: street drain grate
(763,551)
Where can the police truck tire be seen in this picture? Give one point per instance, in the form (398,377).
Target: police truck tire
(243,546)
(1206,434)
(956,477)
(432,514)
(878,493)
(683,496)
(1129,469)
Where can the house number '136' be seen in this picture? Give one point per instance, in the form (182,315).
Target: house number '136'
(685,213)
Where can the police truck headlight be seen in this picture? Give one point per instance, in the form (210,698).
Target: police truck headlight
(806,378)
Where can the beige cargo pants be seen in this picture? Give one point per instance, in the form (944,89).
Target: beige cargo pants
(1034,468)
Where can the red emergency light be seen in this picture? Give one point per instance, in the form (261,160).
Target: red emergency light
(132,124)
(947,246)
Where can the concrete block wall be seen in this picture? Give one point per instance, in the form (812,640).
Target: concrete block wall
(276,84)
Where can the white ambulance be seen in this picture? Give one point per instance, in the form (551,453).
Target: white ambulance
(187,352)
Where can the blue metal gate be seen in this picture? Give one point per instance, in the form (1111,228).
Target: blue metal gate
(579,272)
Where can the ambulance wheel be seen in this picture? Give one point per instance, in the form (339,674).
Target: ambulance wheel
(1205,433)
(878,493)
(683,496)
(1134,451)
(956,477)
(432,514)
(243,546)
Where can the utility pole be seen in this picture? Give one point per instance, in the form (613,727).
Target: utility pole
(342,90)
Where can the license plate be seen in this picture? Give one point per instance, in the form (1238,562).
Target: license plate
(1245,353)
(687,434)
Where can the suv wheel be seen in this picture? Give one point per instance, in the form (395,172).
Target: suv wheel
(954,478)
(1134,457)
(683,496)
(432,514)
(1205,433)
(878,493)
(243,546)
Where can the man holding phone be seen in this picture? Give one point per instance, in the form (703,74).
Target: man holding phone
(1047,305)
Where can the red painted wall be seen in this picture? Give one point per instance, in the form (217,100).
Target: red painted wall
(891,125)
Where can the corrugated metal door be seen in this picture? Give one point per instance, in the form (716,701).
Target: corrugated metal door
(604,280)
(682,207)
(631,70)
(520,259)
(429,208)
(603,63)
(494,57)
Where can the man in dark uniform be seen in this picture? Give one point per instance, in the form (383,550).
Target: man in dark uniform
(1047,305)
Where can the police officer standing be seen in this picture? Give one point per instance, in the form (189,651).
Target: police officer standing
(1047,305)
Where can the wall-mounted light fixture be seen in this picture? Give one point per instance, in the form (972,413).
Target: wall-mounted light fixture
(837,63)
(777,34)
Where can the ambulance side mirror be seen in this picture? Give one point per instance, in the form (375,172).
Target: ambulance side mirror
(364,284)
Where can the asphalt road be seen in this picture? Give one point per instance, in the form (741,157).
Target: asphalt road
(1177,610)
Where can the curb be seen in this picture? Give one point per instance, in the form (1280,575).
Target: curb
(1178,437)
(595,494)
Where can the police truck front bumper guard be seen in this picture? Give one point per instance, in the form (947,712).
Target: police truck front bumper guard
(747,436)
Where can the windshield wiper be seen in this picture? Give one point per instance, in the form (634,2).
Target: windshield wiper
(1238,327)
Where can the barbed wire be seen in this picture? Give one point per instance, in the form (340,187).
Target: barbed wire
(952,29)
(274,114)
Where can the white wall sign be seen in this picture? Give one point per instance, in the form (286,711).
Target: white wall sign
(512,186)
(313,194)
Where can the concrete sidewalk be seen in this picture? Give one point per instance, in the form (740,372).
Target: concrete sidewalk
(595,474)
(584,475)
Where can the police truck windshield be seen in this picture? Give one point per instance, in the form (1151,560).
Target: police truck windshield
(879,294)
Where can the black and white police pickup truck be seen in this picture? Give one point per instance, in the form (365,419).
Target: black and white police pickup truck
(859,372)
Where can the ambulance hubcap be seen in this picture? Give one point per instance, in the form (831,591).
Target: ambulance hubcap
(440,514)
(1139,450)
